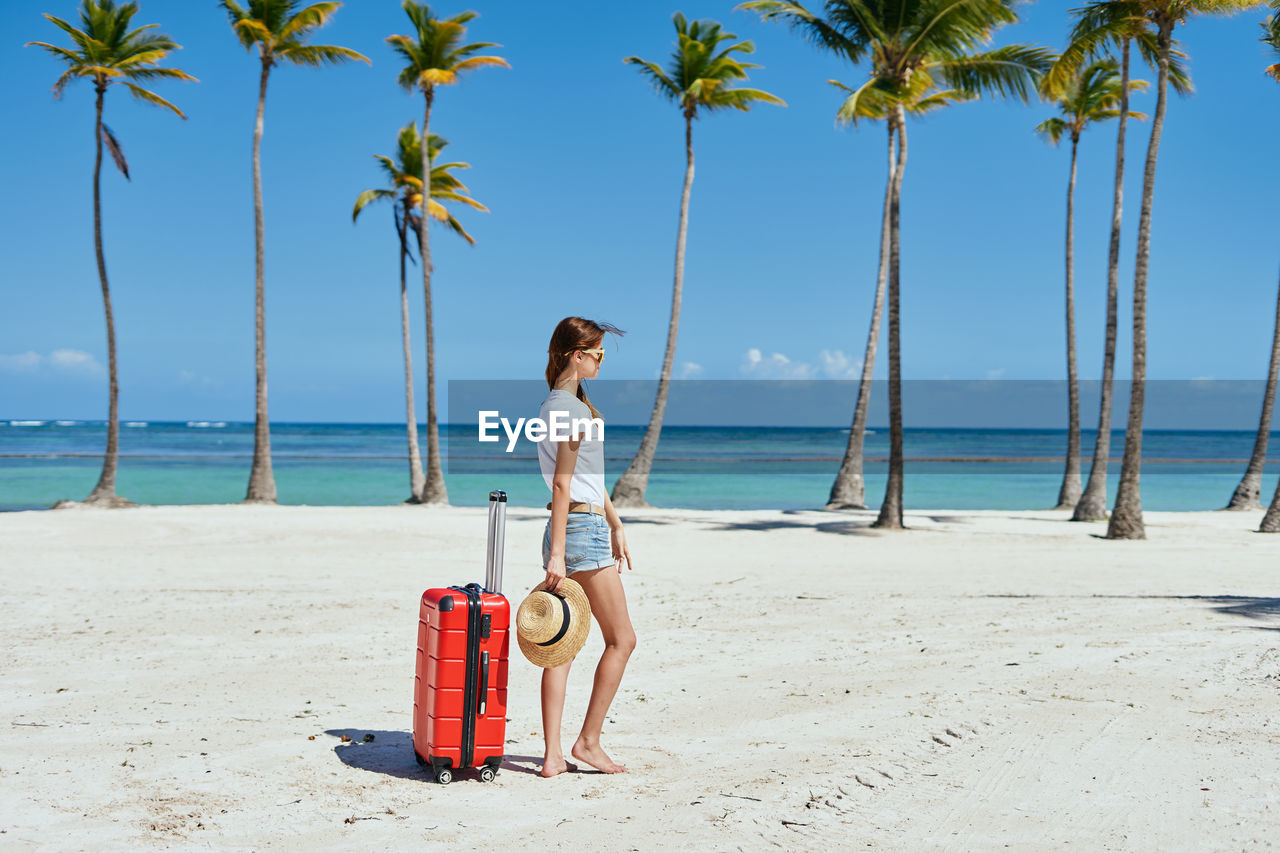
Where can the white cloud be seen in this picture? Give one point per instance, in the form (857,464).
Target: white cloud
(66,361)
(690,369)
(837,365)
(995,374)
(774,366)
(23,362)
(74,361)
(832,364)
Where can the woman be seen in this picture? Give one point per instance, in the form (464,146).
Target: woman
(576,543)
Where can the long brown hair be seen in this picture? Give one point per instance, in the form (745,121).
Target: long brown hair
(575,333)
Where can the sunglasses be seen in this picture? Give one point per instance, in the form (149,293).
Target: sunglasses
(598,353)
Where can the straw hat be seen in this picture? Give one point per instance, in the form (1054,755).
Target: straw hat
(553,626)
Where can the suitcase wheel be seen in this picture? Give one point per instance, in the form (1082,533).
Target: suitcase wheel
(444,776)
(487,773)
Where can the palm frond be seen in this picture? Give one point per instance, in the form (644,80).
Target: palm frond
(938,100)
(150,97)
(1052,129)
(159,74)
(474,62)
(456,227)
(1271,37)
(662,84)
(368,197)
(850,41)
(318,54)
(307,20)
(116,151)
(1010,71)
(858,104)
(252,31)
(1148,47)
(86,42)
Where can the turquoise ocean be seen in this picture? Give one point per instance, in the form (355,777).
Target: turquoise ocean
(203,462)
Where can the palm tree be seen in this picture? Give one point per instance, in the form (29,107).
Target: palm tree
(107,52)
(1271,520)
(279,29)
(700,75)
(1093,96)
(849,489)
(1165,15)
(1099,25)
(904,38)
(404,176)
(435,55)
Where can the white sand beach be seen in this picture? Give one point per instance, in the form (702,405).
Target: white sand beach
(986,679)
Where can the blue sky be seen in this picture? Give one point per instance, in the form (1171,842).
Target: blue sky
(581,165)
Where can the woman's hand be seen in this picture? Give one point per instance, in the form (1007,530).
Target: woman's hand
(555,573)
(619,542)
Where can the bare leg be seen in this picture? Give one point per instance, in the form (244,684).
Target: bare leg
(609,608)
(553,682)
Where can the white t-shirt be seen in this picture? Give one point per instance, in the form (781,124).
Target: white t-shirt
(587,485)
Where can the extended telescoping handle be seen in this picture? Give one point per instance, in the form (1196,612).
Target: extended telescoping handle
(497,539)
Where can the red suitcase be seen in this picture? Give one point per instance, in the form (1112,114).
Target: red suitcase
(460,689)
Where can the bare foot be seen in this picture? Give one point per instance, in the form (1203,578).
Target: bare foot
(556,766)
(595,756)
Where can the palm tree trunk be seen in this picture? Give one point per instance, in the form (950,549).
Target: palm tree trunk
(891,509)
(1069,493)
(433,492)
(1126,517)
(849,489)
(417,480)
(1092,505)
(1271,521)
(105,491)
(1246,494)
(262,481)
(630,488)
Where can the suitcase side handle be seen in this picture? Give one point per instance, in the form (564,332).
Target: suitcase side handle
(484,682)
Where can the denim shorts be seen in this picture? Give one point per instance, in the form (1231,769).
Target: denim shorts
(587,544)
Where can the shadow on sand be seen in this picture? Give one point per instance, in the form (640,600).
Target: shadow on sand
(1246,606)
(391,752)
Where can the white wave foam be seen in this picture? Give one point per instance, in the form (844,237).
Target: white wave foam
(135,424)
(27,423)
(66,423)
(207,424)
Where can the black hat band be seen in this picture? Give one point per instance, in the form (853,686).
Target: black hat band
(564,624)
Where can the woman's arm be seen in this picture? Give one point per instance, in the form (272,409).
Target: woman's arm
(566,459)
(619,539)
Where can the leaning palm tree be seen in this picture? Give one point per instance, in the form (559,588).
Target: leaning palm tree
(1091,97)
(106,51)
(279,29)
(1101,25)
(435,55)
(849,489)
(1271,520)
(404,191)
(699,76)
(903,38)
(1164,15)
